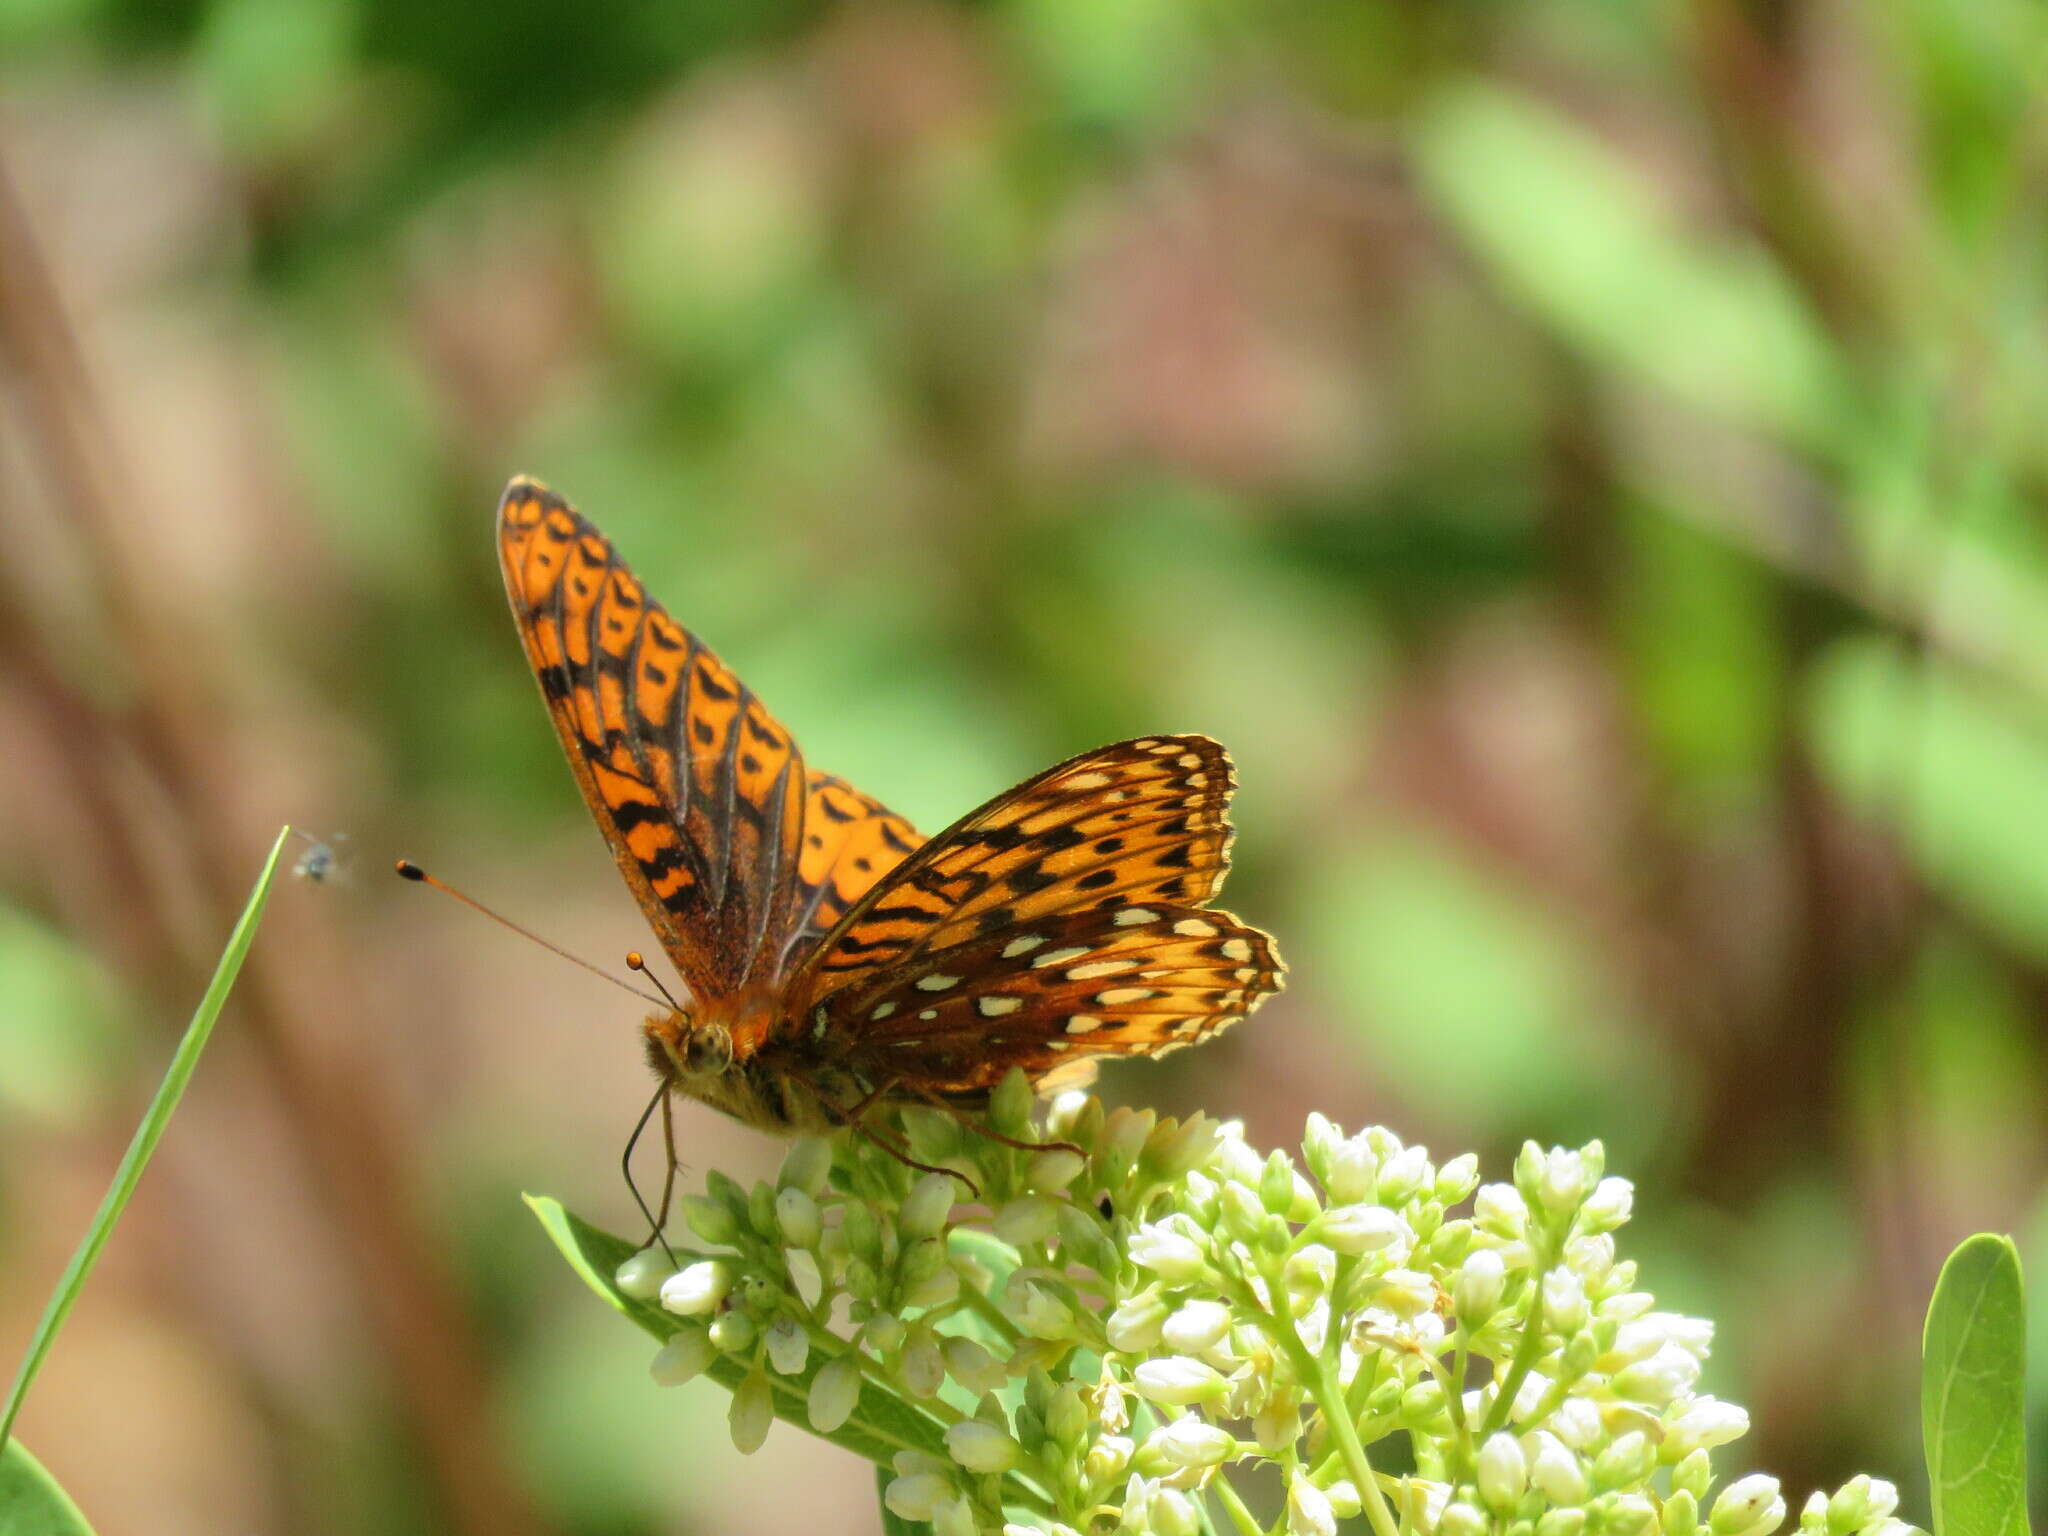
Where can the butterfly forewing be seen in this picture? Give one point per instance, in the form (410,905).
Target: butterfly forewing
(1127,980)
(850,841)
(1140,820)
(697,788)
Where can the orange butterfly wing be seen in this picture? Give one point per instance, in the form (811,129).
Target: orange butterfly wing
(697,788)
(1061,920)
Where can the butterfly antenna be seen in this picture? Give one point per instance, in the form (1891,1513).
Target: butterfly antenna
(637,963)
(407,870)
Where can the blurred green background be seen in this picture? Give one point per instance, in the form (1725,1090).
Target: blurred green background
(1584,460)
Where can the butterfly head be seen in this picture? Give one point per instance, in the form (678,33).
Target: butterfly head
(684,1049)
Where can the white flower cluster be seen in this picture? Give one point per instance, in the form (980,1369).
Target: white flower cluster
(1148,1311)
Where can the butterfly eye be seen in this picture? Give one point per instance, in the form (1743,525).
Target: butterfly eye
(707,1051)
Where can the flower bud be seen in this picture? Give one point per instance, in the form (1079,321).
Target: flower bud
(1422,1403)
(1134,1327)
(1276,1185)
(955,1517)
(696,1289)
(1577,1424)
(982,1447)
(918,1496)
(683,1358)
(1066,1417)
(1610,1204)
(1196,1326)
(1501,1210)
(1040,1312)
(1009,1107)
(643,1275)
(1173,1514)
(1629,1514)
(1462,1519)
(1403,1174)
(883,1333)
(1657,1380)
(711,1219)
(1027,1220)
(1694,1473)
(1310,1270)
(1862,1501)
(835,1393)
(1555,1471)
(971,1365)
(733,1332)
(1190,1441)
(1626,1462)
(1243,1218)
(1564,1302)
(1054,1169)
(922,1365)
(1564,1182)
(1407,1293)
(761,1208)
(1308,1509)
(1354,1170)
(1681,1515)
(1171,1255)
(1503,1472)
(1356,1229)
(934,1290)
(751,1412)
(1107,1458)
(1178,1380)
(1476,1292)
(1457,1178)
(1320,1137)
(1564,1522)
(807,1165)
(1750,1506)
(1175,1151)
(788,1346)
(796,1216)
(1277,1425)
(925,1209)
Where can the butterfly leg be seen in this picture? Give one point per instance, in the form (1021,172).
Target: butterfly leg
(979,1129)
(655,1223)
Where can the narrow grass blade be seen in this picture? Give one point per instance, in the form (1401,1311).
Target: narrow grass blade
(1972,1392)
(31,1503)
(147,1135)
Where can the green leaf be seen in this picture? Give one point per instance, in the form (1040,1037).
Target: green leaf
(31,1503)
(881,1425)
(1576,235)
(1972,1408)
(147,1135)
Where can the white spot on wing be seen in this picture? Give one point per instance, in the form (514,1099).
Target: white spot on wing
(1095,968)
(996,1007)
(1083,1024)
(1062,955)
(1195,928)
(1116,995)
(1023,944)
(1130,917)
(936,982)
(883,1010)
(1086,781)
(1235,949)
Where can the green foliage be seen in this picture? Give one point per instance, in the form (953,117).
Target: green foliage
(1973,1399)
(31,1503)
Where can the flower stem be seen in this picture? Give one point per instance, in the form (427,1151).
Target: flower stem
(1234,1506)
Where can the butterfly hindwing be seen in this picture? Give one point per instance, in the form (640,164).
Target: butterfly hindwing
(698,789)
(1128,980)
(1144,820)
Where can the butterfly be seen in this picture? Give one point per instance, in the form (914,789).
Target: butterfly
(833,959)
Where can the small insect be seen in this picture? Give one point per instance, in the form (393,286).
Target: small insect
(832,959)
(323,860)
